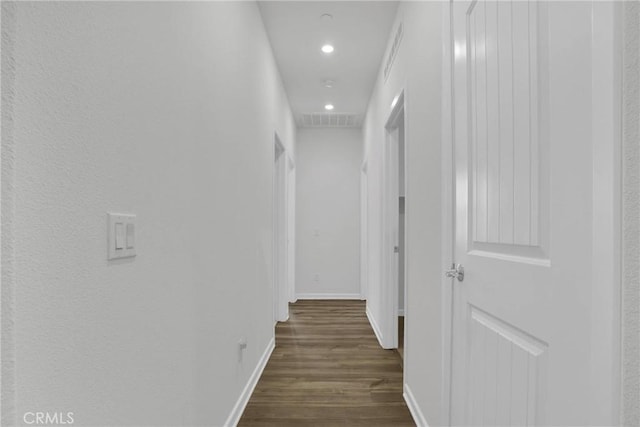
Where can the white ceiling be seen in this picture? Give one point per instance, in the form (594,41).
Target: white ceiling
(359,31)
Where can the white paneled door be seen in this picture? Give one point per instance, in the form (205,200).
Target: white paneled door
(525,316)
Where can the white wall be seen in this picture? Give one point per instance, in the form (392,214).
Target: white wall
(631,218)
(417,70)
(165,110)
(328,213)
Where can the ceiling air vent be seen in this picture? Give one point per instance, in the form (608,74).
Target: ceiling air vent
(393,51)
(329,120)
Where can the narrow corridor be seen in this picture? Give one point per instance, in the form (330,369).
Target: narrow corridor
(328,369)
(174,173)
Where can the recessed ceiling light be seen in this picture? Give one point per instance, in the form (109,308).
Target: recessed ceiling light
(327,48)
(328,83)
(328,107)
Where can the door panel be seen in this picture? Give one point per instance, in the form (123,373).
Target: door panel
(507,367)
(523,100)
(504,161)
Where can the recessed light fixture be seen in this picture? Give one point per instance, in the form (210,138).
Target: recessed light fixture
(328,83)
(328,107)
(327,48)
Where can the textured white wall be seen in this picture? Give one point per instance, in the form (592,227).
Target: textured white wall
(631,220)
(328,212)
(7,357)
(417,69)
(166,110)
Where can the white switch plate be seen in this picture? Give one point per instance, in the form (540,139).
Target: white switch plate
(121,238)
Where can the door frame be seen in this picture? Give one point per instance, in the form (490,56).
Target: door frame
(291,228)
(391,171)
(447,249)
(280,270)
(607,224)
(606,264)
(364,230)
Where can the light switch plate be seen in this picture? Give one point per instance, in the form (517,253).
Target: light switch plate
(121,235)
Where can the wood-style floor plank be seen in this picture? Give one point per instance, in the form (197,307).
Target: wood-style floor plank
(328,370)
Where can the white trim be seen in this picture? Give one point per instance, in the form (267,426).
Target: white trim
(414,408)
(375,327)
(291,229)
(364,230)
(328,296)
(388,268)
(542,262)
(606,218)
(407,228)
(401,312)
(280,254)
(241,403)
(448,210)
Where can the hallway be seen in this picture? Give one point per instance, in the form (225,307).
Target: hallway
(328,369)
(186,184)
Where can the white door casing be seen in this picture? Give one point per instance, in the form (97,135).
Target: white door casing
(364,224)
(280,208)
(391,222)
(291,228)
(524,202)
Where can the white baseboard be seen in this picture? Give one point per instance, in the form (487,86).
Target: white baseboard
(414,408)
(375,327)
(238,408)
(328,296)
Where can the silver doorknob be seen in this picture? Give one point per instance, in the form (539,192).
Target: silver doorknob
(457,272)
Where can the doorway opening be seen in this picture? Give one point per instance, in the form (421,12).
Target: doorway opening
(364,224)
(291,229)
(394,247)
(281,291)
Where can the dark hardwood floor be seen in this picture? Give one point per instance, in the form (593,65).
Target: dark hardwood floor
(328,370)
